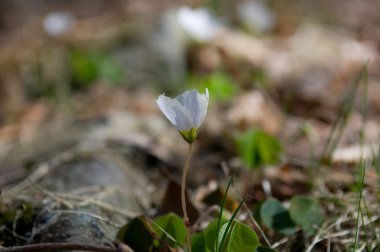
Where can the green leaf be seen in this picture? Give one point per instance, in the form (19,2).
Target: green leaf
(109,69)
(173,225)
(307,213)
(274,215)
(257,148)
(89,66)
(198,243)
(223,234)
(220,85)
(242,238)
(211,233)
(137,234)
(83,68)
(226,230)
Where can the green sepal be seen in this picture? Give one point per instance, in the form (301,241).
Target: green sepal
(189,135)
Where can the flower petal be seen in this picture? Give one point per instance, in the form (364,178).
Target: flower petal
(196,105)
(187,111)
(202,108)
(175,112)
(189,100)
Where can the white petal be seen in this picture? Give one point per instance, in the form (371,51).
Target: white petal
(189,101)
(202,108)
(187,110)
(199,23)
(163,103)
(196,105)
(175,112)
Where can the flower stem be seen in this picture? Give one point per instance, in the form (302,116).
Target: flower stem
(183,197)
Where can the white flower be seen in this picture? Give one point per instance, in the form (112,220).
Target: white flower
(187,112)
(199,23)
(256,16)
(57,23)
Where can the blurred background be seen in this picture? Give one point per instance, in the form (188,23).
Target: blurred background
(58,57)
(265,62)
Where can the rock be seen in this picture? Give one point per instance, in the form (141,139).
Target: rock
(88,190)
(97,192)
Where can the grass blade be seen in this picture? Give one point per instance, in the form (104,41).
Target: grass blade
(222,208)
(337,129)
(226,232)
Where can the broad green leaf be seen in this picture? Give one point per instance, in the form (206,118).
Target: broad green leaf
(242,238)
(274,215)
(257,148)
(137,234)
(211,233)
(173,225)
(225,231)
(307,213)
(198,242)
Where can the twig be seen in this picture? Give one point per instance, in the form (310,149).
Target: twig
(102,205)
(60,197)
(278,243)
(50,194)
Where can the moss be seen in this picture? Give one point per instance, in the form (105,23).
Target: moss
(18,218)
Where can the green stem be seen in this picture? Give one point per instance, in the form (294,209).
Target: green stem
(183,197)
(361,185)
